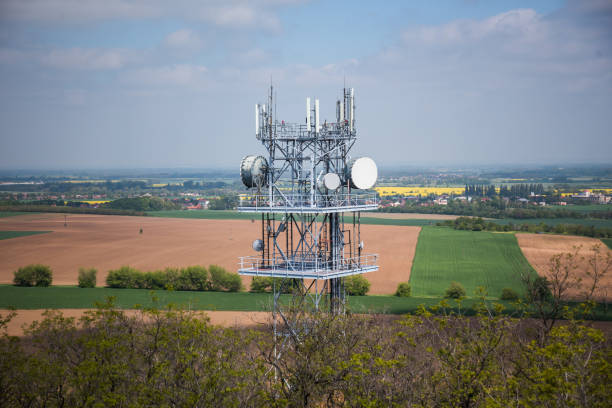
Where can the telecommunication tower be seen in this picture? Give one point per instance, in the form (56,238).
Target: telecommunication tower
(310,194)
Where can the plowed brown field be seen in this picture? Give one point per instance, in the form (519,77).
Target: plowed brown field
(108,242)
(539,248)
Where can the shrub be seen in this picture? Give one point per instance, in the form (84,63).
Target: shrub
(356,285)
(125,277)
(403,290)
(87,277)
(455,291)
(538,290)
(261,284)
(158,279)
(509,294)
(192,278)
(33,275)
(222,280)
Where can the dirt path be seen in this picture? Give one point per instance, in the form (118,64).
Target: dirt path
(221,318)
(539,248)
(109,242)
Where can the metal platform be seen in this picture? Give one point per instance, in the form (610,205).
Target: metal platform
(309,204)
(307,268)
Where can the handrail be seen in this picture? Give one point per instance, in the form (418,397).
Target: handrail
(305,201)
(298,266)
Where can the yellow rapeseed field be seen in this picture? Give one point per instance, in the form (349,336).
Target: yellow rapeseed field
(389,191)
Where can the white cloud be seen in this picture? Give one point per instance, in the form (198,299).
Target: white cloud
(171,75)
(511,48)
(226,13)
(183,39)
(85,59)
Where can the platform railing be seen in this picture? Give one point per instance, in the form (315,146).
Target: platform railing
(305,201)
(309,267)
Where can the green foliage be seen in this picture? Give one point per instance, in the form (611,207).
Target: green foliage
(455,291)
(264,284)
(559,226)
(142,204)
(222,280)
(509,294)
(403,289)
(261,284)
(87,277)
(538,290)
(125,277)
(33,275)
(191,278)
(223,203)
(475,259)
(356,285)
(170,357)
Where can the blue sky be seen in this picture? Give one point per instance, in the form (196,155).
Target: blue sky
(132,83)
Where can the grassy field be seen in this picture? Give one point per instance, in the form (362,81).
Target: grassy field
(234,215)
(4,214)
(16,234)
(70,297)
(444,255)
(607,241)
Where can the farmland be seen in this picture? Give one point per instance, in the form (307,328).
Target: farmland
(491,260)
(539,248)
(109,242)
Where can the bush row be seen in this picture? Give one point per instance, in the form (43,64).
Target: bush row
(355,285)
(196,278)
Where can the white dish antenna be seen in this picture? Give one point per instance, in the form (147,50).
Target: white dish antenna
(362,173)
(329,181)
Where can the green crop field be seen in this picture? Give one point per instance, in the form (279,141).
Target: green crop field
(607,241)
(17,234)
(71,297)
(583,208)
(444,255)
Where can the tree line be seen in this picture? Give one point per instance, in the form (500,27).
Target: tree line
(478,224)
(514,191)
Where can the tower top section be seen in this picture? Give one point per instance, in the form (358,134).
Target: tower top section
(308,168)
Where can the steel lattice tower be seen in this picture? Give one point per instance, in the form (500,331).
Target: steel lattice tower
(310,195)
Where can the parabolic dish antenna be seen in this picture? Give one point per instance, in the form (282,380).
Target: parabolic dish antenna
(329,181)
(362,173)
(254,171)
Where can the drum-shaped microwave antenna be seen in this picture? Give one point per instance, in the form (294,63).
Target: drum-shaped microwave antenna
(258,245)
(329,181)
(254,171)
(362,173)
